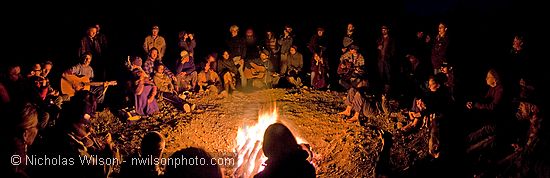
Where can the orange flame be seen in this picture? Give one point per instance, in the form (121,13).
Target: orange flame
(249,145)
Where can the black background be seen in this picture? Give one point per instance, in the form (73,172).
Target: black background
(480,32)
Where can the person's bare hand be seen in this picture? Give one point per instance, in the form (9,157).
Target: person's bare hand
(469,105)
(241,62)
(108,139)
(516,147)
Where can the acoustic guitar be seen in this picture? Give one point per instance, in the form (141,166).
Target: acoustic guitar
(70,84)
(256,71)
(345,69)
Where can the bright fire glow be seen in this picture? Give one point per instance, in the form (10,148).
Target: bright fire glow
(249,145)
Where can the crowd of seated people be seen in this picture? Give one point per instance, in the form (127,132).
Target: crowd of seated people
(424,77)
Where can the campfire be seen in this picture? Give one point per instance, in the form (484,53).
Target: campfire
(249,144)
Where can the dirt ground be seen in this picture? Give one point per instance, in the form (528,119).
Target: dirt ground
(341,149)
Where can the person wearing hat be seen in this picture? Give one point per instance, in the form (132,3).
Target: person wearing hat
(156,41)
(529,145)
(349,38)
(447,77)
(186,72)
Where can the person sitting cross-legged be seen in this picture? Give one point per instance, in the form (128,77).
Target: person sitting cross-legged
(145,92)
(208,79)
(167,90)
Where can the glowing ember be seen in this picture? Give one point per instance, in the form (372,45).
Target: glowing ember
(249,145)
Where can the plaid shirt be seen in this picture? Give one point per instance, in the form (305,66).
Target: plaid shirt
(357,60)
(149,67)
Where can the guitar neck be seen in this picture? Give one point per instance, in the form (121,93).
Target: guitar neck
(95,83)
(99,83)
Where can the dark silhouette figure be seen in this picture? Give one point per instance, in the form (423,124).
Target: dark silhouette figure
(285,156)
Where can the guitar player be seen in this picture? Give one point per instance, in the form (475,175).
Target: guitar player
(351,68)
(83,69)
(262,65)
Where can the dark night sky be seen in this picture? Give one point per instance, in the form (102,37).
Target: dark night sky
(481,31)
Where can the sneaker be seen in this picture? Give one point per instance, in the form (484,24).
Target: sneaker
(182,96)
(187,108)
(134,118)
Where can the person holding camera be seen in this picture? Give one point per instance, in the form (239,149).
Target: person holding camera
(187,42)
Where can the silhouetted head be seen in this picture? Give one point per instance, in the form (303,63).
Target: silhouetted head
(152,144)
(279,142)
(27,123)
(197,170)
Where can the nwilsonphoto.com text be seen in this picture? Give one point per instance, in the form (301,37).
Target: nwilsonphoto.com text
(84,160)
